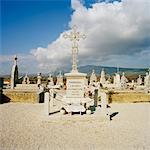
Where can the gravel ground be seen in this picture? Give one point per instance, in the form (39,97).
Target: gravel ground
(24,127)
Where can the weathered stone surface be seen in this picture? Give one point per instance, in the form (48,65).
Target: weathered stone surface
(129,97)
(21,96)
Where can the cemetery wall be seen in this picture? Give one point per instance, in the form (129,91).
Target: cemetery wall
(129,97)
(20,96)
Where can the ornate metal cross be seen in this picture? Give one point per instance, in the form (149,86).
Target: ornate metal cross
(74,36)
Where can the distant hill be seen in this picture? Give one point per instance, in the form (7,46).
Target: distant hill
(88,69)
(111,70)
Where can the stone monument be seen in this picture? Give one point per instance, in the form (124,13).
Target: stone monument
(14,73)
(139,80)
(117,79)
(93,78)
(123,81)
(50,80)
(75,85)
(39,77)
(75,79)
(147,80)
(102,78)
(26,79)
(60,79)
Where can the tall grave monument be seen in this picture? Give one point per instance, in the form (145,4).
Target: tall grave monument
(14,73)
(75,80)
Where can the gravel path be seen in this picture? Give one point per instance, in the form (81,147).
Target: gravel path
(24,127)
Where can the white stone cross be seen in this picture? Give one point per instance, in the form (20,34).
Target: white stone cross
(74,36)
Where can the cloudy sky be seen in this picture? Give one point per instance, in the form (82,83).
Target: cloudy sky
(117,33)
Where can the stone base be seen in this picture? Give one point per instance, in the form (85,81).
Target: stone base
(87,101)
(75,108)
(21,96)
(26,87)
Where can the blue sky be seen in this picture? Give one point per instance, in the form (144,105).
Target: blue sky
(28,24)
(117,33)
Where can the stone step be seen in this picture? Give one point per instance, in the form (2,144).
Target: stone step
(26,87)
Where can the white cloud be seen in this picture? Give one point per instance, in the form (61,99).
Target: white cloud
(27,63)
(117,33)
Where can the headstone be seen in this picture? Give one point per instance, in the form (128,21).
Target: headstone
(50,80)
(132,84)
(139,80)
(39,77)
(75,81)
(75,87)
(26,79)
(124,81)
(102,78)
(147,81)
(14,73)
(60,79)
(93,78)
(117,81)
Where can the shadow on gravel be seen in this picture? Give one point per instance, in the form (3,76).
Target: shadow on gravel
(4,99)
(54,112)
(113,115)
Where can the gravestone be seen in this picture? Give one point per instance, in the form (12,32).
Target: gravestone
(124,81)
(50,80)
(60,79)
(14,73)
(93,78)
(39,77)
(75,87)
(75,81)
(139,80)
(26,79)
(147,80)
(102,78)
(117,81)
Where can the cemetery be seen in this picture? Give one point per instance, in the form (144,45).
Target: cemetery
(77,92)
(91,107)
(75,75)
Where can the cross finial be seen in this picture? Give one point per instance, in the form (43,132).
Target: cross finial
(74,36)
(15,59)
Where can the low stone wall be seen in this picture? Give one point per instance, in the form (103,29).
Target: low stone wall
(34,97)
(129,97)
(20,96)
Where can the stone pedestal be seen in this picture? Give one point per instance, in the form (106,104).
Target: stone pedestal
(75,87)
(39,77)
(46,103)
(104,103)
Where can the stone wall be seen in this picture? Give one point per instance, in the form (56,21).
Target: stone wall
(34,97)
(129,97)
(20,96)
